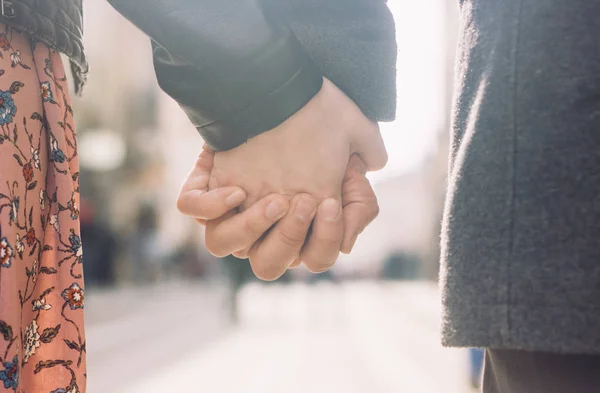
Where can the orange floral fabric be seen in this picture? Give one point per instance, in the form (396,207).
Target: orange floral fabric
(42,340)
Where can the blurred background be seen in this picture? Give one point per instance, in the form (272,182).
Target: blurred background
(164,315)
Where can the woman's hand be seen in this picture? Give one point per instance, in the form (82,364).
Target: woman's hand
(293,173)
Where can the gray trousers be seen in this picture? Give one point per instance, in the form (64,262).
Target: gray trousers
(508,371)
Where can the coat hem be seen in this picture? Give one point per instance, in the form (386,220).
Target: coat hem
(550,328)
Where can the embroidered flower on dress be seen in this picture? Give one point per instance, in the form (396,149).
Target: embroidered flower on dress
(30,237)
(54,222)
(7,108)
(72,205)
(57,154)
(35,154)
(34,271)
(28,172)
(46,92)
(15,58)
(43,199)
(14,210)
(10,374)
(40,304)
(75,243)
(32,340)
(19,246)
(74,296)
(71,389)
(43,306)
(6,253)
(4,42)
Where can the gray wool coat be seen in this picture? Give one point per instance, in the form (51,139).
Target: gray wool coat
(521,231)
(353,42)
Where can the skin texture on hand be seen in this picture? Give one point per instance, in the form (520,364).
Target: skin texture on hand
(359,209)
(308,153)
(197,201)
(290,183)
(289,238)
(360,205)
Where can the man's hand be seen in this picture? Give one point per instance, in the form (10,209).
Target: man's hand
(243,234)
(300,166)
(308,153)
(360,202)
(197,201)
(360,206)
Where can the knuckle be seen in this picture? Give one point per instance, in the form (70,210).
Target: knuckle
(253,226)
(291,237)
(328,240)
(250,226)
(325,240)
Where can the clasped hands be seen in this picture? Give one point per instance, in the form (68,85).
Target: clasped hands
(295,194)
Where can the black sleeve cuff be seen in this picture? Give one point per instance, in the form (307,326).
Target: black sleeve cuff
(266,113)
(229,107)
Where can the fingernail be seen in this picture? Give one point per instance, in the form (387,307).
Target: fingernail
(235,198)
(330,210)
(305,208)
(275,209)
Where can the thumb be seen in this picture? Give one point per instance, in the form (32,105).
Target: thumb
(197,201)
(360,205)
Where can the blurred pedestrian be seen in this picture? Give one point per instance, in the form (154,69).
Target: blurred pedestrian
(401,266)
(147,254)
(191,263)
(239,273)
(101,248)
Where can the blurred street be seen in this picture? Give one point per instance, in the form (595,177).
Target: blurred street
(351,337)
(177,336)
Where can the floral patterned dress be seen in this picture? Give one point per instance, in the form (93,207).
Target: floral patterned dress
(42,342)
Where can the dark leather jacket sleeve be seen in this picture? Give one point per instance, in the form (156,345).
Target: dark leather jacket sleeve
(235,72)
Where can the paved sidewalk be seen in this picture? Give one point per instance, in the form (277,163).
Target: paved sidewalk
(134,332)
(361,337)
